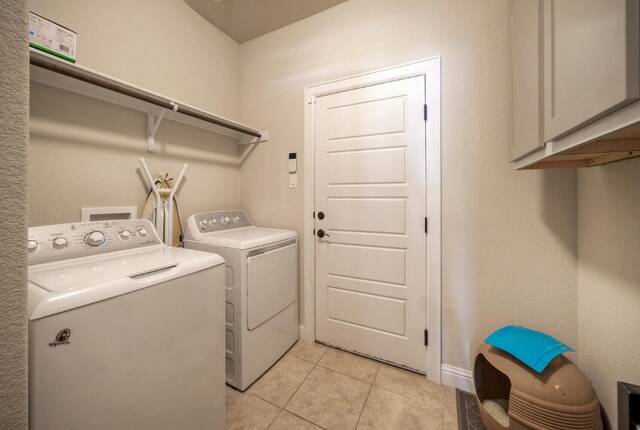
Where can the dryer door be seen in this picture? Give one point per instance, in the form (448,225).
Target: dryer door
(272,283)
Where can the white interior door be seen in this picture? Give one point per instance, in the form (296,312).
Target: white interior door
(370,187)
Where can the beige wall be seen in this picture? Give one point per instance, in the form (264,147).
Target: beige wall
(509,238)
(14,116)
(84,153)
(609,277)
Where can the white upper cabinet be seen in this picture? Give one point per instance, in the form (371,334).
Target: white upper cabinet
(526,26)
(591,61)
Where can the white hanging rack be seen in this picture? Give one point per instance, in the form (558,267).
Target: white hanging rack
(49,70)
(162,217)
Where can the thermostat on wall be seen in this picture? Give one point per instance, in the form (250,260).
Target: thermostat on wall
(293,162)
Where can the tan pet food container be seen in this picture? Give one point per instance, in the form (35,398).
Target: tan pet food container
(513,396)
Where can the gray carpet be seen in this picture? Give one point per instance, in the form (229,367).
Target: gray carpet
(468,413)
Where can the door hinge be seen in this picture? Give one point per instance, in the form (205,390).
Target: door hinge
(314,214)
(426,338)
(425,112)
(314,231)
(426,225)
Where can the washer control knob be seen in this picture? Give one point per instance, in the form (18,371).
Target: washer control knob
(236,219)
(225,220)
(142,232)
(95,238)
(203,223)
(213,222)
(32,245)
(124,234)
(59,242)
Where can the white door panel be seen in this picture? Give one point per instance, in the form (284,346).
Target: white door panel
(370,184)
(380,215)
(381,141)
(381,190)
(368,286)
(368,311)
(367,118)
(377,166)
(384,265)
(370,239)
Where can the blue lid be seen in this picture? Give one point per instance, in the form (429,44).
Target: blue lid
(533,348)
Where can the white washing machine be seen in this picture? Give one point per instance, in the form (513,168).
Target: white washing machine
(124,332)
(262,289)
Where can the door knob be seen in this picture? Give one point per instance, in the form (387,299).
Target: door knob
(322,234)
(320,215)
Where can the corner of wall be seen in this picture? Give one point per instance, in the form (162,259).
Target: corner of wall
(609,278)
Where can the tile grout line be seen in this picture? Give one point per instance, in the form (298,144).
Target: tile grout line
(285,404)
(297,416)
(247,393)
(271,403)
(303,419)
(443,405)
(377,363)
(422,408)
(350,376)
(305,378)
(274,418)
(302,383)
(364,405)
(297,389)
(312,362)
(409,397)
(281,409)
(317,364)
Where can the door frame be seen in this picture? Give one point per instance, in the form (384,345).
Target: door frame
(430,68)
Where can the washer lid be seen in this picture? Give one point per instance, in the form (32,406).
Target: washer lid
(60,286)
(246,237)
(82,272)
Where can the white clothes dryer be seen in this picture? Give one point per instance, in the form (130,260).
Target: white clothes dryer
(261,289)
(124,331)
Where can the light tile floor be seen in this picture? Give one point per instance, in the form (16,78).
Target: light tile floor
(314,387)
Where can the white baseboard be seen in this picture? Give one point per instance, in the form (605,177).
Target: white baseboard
(302,332)
(458,378)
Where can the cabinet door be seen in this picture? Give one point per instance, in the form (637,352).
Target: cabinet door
(527,120)
(591,61)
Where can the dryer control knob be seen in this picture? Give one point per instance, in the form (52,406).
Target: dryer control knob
(124,234)
(59,242)
(225,220)
(95,238)
(236,219)
(142,232)
(32,245)
(213,222)
(203,223)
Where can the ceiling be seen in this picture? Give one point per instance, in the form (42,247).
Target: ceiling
(244,20)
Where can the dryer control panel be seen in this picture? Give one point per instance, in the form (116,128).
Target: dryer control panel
(63,241)
(222,220)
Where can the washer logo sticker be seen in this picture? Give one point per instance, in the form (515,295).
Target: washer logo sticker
(62,338)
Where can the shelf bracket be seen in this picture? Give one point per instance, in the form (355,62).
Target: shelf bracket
(154,118)
(246,140)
